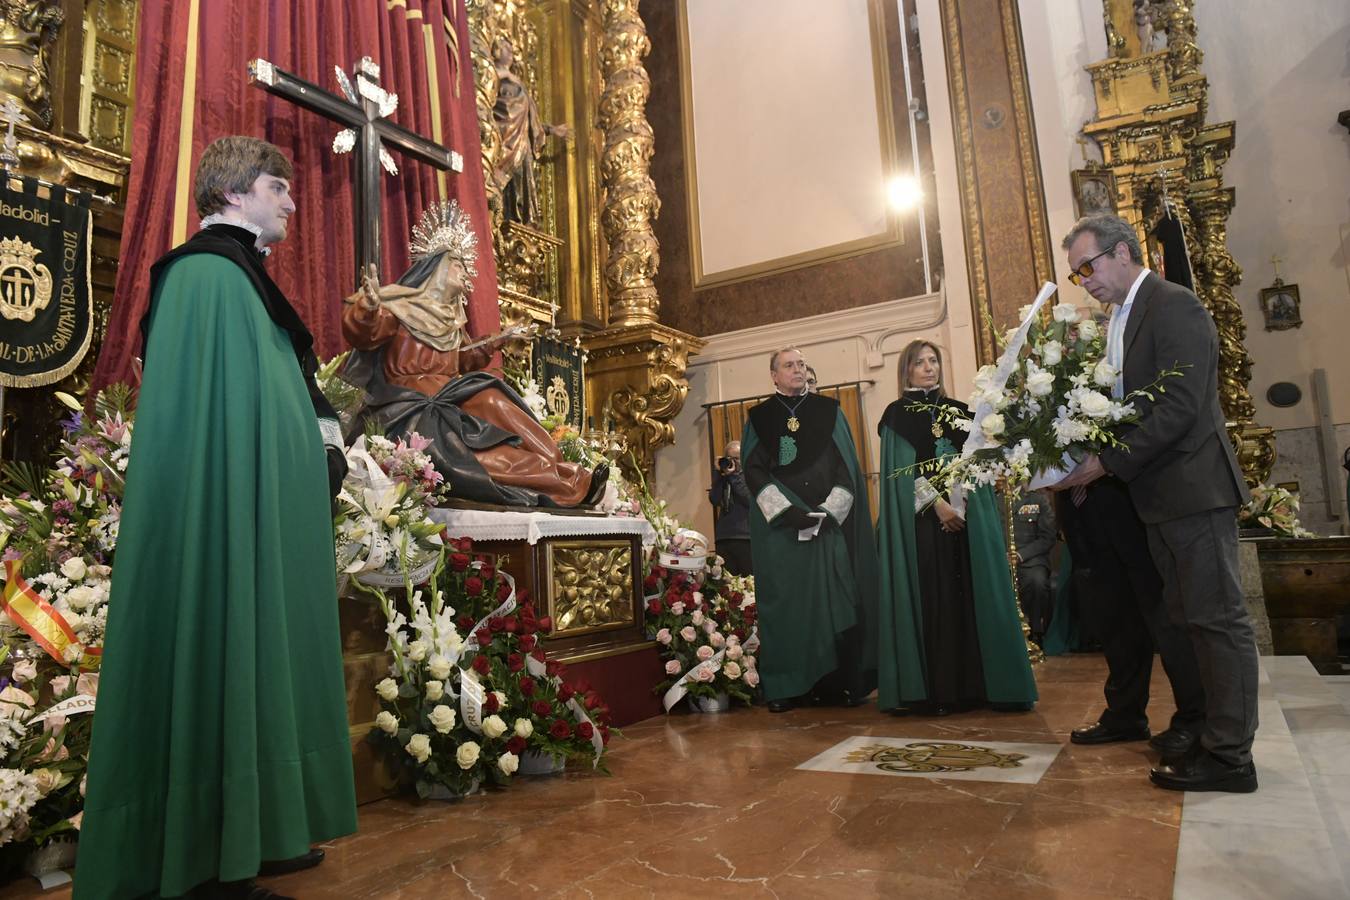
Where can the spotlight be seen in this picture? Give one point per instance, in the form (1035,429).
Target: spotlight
(904,192)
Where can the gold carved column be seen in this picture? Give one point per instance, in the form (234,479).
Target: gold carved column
(1150,124)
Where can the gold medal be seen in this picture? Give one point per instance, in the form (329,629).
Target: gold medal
(937,429)
(793,423)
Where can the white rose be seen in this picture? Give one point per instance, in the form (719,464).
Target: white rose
(664,636)
(417,651)
(387,689)
(494,727)
(688,633)
(508,763)
(439,667)
(73,568)
(501,699)
(732,670)
(524,728)
(419,747)
(704,653)
(734,651)
(992,425)
(1087,330)
(387,722)
(1066,312)
(47,779)
(1052,352)
(467,754)
(672,667)
(442,718)
(1104,374)
(79,597)
(1024,312)
(1040,384)
(697,617)
(1094,404)
(435,690)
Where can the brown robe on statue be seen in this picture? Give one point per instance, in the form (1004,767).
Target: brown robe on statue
(535,463)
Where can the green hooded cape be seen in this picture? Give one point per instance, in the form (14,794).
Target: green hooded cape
(900,677)
(810,592)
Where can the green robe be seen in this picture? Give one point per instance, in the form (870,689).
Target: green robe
(901,668)
(220,738)
(810,593)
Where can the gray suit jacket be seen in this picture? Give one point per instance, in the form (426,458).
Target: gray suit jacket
(1180,460)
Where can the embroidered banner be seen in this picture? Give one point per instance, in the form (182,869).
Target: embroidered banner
(557,368)
(46,306)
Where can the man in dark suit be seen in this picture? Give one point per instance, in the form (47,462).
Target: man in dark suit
(1185,484)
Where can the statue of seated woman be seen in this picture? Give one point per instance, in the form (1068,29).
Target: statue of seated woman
(421,373)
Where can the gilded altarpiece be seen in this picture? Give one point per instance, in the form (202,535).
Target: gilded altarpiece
(70,66)
(586,261)
(1151,107)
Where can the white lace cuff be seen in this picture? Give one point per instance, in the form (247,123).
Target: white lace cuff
(838,503)
(772,502)
(332,435)
(925,495)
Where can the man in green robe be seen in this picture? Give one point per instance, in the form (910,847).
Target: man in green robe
(220,740)
(811,541)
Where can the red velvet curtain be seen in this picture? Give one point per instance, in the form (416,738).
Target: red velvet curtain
(422,48)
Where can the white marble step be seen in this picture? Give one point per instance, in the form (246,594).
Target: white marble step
(1340,686)
(1289,839)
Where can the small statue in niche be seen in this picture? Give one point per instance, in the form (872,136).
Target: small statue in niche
(1151,38)
(524,135)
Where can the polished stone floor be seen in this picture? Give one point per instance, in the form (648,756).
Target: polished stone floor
(717,805)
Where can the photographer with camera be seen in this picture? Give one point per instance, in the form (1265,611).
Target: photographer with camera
(731,498)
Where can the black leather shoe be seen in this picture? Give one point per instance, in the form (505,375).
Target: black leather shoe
(1101,734)
(1205,772)
(286,866)
(776,706)
(1174,742)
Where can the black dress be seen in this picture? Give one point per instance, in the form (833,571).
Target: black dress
(954,670)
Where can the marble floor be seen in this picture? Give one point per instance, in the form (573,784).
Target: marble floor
(720,805)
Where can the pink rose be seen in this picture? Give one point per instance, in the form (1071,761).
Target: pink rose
(716,639)
(697,617)
(734,651)
(751,677)
(664,636)
(672,667)
(60,684)
(709,626)
(705,653)
(87,684)
(704,673)
(688,633)
(24,671)
(677,608)
(698,597)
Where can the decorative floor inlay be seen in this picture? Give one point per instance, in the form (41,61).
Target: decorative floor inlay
(937,758)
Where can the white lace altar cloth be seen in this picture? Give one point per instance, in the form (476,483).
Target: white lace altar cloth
(489,525)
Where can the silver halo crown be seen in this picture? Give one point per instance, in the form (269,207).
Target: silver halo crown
(445,228)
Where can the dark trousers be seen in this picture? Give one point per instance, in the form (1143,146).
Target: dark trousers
(735,553)
(1033,590)
(1126,610)
(1197,556)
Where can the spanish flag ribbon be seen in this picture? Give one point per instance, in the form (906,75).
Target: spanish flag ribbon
(43,622)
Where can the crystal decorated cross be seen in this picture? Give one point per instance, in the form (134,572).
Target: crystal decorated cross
(363,108)
(12,113)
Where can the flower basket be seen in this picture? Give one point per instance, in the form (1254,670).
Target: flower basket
(58,853)
(446,793)
(719,704)
(533,762)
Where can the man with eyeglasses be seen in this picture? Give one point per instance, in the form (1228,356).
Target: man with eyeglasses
(1182,480)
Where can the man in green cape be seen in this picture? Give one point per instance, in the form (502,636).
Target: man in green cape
(812,545)
(221,740)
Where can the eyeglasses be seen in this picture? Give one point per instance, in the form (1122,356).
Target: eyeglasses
(1085,269)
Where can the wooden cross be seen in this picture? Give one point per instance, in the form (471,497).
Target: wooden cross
(364,112)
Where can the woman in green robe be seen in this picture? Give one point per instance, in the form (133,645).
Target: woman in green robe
(950,637)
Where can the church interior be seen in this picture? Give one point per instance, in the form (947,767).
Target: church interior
(651,202)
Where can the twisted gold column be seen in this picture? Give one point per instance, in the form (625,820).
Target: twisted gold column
(482,34)
(631,203)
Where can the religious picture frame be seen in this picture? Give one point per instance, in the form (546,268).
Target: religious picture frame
(1094,191)
(1281,306)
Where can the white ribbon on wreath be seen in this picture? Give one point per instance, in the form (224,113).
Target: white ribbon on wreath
(381,565)
(713,664)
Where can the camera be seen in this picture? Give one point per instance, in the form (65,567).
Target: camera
(726,465)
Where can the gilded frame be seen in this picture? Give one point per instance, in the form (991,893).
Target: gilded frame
(556,589)
(891,237)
